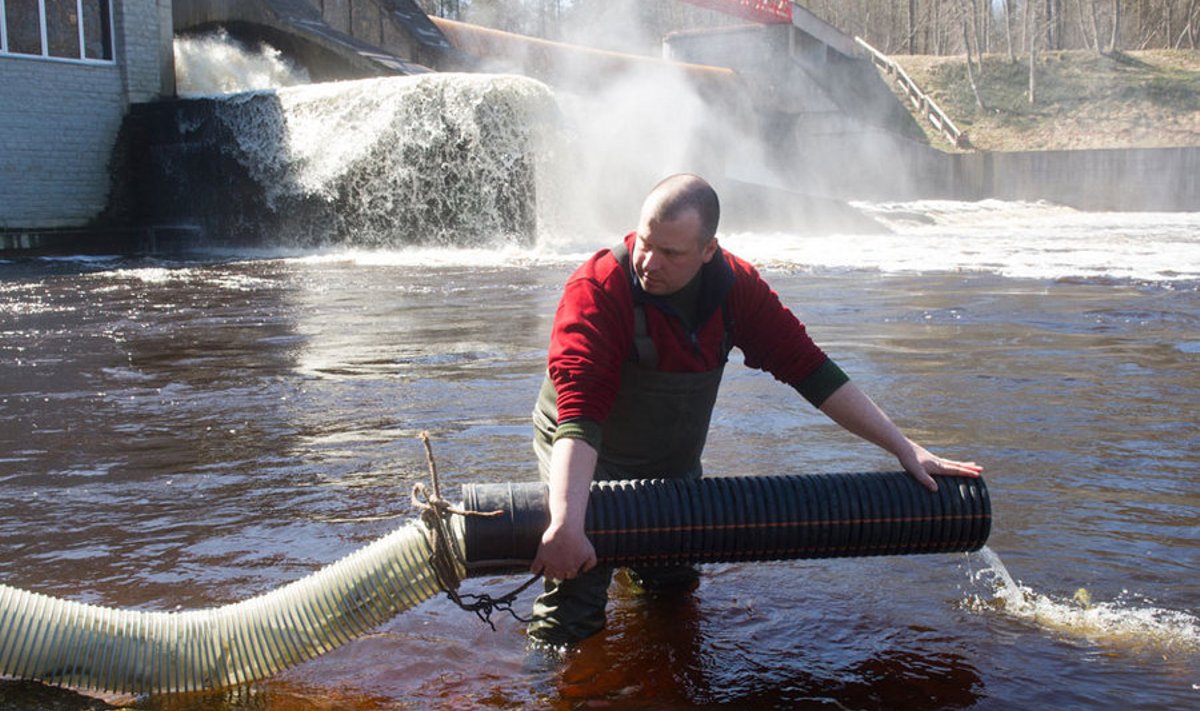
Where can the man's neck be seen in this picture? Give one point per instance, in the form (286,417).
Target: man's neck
(686,301)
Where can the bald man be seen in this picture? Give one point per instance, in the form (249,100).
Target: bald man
(639,343)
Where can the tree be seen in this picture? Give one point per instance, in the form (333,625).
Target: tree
(912,26)
(1032,34)
(966,22)
(1116,25)
(1008,11)
(1189,26)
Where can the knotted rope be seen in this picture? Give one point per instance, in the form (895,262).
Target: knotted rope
(445,558)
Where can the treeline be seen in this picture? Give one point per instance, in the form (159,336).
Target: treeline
(893,26)
(1014,26)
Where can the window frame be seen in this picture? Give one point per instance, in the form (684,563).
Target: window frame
(108,34)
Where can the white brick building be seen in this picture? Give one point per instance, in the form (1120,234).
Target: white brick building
(65,85)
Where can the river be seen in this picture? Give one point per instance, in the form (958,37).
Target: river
(189,433)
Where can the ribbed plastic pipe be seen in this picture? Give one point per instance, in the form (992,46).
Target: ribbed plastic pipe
(129,651)
(725,519)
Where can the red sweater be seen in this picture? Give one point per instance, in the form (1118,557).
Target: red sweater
(593,333)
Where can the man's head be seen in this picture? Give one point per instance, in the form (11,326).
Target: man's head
(676,233)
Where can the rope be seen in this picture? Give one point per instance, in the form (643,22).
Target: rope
(445,558)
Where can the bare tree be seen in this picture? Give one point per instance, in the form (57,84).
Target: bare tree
(1116,26)
(1096,25)
(966,22)
(933,26)
(1031,34)
(1189,26)
(1049,24)
(1008,11)
(1080,15)
(937,31)
(1168,20)
(912,26)
(983,23)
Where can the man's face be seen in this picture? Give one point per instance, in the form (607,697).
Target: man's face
(668,254)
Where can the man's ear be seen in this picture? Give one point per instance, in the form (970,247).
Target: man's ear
(710,249)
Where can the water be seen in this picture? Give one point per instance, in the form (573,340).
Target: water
(191,433)
(215,63)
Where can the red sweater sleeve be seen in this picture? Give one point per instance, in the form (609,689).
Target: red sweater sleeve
(767,332)
(591,339)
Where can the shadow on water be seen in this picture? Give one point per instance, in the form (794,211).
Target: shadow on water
(24,695)
(659,653)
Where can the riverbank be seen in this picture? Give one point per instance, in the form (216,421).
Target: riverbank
(1146,99)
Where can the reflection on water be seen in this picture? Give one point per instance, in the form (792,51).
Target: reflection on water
(192,434)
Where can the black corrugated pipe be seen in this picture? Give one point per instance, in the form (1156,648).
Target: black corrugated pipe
(725,519)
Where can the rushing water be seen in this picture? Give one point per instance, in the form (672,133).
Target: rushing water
(215,63)
(192,433)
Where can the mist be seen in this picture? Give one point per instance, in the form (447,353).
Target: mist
(627,120)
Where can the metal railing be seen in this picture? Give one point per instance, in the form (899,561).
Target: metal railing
(920,100)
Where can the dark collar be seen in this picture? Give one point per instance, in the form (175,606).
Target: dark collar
(716,280)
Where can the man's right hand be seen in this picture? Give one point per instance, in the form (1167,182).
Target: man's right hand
(563,554)
(565,551)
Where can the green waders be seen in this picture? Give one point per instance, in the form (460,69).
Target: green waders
(657,429)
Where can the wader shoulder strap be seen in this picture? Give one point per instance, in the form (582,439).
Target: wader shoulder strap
(644,350)
(643,344)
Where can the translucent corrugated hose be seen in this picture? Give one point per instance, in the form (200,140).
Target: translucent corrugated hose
(89,646)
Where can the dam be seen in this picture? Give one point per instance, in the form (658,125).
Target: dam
(738,123)
(785,113)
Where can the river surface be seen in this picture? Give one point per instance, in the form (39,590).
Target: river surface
(182,434)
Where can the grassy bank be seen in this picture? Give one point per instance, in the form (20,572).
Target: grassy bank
(1083,100)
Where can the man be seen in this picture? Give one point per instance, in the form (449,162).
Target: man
(638,346)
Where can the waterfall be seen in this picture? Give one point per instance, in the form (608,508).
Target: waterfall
(432,159)
(435,159)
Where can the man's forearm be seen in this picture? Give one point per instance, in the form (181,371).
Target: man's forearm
(572,465)
(565,551)
(858,414)
(852,409)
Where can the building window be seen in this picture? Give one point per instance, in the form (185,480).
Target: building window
(59,29)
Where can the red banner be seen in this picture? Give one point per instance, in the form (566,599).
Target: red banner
(764,11)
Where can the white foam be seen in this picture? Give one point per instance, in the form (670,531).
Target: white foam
(1012,239)
(216,64)
(997,238)
(1127,622)
(431,159)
